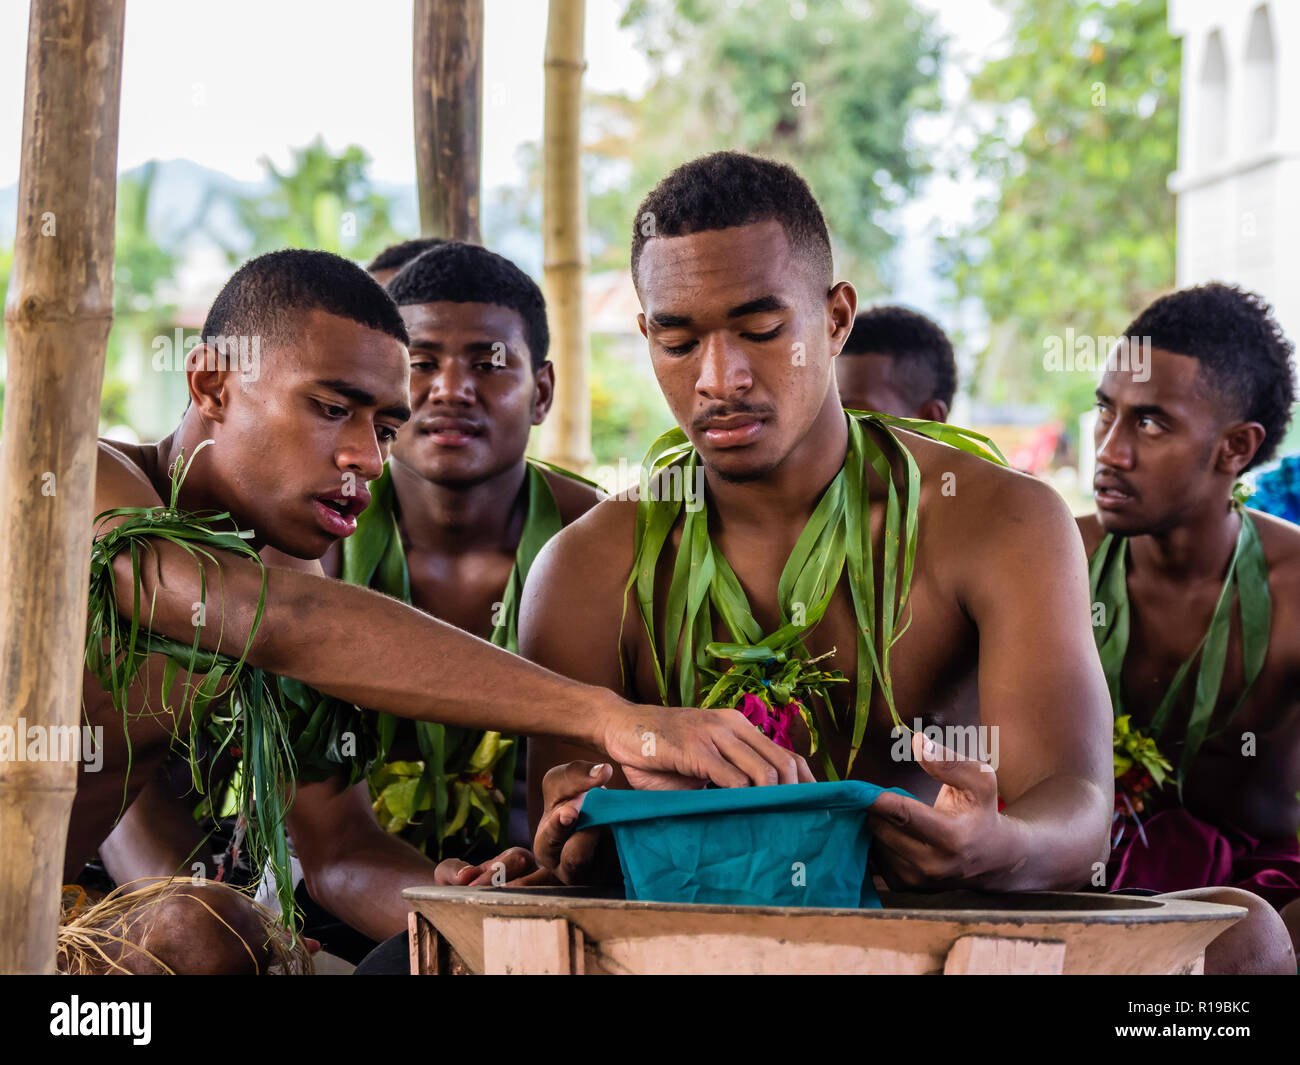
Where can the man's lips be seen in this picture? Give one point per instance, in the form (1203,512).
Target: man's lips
(337,511)
(450,432)
(735,430)
(1109,493)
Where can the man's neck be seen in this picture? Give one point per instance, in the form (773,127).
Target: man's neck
(202,489)
(454,519)
(792,489)
(1195,550)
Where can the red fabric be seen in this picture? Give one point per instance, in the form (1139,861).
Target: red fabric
(1181,851)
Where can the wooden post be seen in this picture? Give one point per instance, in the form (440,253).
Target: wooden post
(566,437)
(57,315)
(448,85)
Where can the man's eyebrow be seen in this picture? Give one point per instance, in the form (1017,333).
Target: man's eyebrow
(359,395)
(1139,409)
(669,321)
(763,303)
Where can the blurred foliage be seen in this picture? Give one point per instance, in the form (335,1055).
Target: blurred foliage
(828,88)
(322,201)
(1081,233)
(627,409)
(140,266)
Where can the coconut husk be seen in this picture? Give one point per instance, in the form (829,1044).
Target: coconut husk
(115,933)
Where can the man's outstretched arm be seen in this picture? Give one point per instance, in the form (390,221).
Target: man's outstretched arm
(374,651)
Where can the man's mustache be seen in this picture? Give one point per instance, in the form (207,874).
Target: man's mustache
(728,410)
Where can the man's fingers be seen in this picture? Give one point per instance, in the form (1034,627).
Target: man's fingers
(506,866)
(914,818)
(448,873)
(948,767)
(537,878)
(786,763)
(745,756)
(572,779)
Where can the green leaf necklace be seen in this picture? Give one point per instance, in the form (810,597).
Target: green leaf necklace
(1246,583)
(465,776)
(836,537)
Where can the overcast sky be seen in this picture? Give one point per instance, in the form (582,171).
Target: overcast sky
(225,83)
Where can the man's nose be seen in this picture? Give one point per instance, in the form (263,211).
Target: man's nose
(1115,447)
(452,383)
(361,452)
(724,368)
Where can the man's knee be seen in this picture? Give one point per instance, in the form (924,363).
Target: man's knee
(1258,944)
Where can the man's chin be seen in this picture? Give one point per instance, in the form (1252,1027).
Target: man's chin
(450,467)
(1123,524)
(735,467)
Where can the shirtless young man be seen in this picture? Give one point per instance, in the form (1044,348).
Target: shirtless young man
(1205,396)
(743,320)
(461,488)
(330,394)
(897,361)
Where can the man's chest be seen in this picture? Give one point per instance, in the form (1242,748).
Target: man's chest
(466,591)
(932,666)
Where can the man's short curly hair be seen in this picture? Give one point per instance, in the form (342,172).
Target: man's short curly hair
(1245,357)
(921,351)
(455,272)
(264,296)
(395,256)
(726,189)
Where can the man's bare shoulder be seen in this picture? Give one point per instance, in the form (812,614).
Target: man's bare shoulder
(572,497)
(573,603)
(120,479)
(1092,531)
(966,488)
(598,545)
(1281,543)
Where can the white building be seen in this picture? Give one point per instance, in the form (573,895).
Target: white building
(1238,177)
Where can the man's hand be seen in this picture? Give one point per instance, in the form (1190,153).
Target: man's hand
(663,748)
(515,867)
(570,856)
(953,843)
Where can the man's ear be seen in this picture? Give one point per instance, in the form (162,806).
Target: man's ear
(933,410)
(1238,447)
(841,306)
(640,324)
(209,388)
(543,391)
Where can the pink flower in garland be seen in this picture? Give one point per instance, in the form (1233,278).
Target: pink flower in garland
(772,723)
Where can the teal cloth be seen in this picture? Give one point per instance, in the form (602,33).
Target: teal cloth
(784,845)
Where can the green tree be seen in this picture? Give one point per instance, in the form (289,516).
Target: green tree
(140,266)
(322,201)
(829,88)
(1081,232)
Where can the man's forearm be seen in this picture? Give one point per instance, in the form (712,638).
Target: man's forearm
(363,647)
(1056,835)
(364,886)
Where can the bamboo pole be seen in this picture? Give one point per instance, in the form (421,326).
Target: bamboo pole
(447,76)
(566,437)
(57,315)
